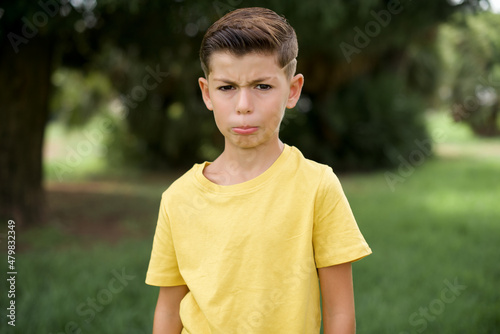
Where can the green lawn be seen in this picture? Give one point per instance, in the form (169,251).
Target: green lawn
(441,224)
(435,238)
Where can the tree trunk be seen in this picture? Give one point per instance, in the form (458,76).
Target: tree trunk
(24,100)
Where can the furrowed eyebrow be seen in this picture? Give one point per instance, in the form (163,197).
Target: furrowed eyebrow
(229,82)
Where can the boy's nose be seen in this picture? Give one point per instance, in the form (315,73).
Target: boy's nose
(244,104)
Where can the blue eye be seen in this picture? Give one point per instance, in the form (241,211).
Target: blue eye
(263,87)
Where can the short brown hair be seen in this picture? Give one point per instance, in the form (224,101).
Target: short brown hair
(248,30)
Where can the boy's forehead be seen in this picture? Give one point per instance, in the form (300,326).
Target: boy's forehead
(226,63)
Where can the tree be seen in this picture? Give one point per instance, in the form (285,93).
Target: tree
(33,35)
(38,37)
(471,48)
(25,96)
(346,117)
(353,57)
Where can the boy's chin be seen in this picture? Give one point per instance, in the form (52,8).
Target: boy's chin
(246,142)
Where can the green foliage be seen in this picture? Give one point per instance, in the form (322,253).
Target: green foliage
(64,22)
(471,47)
(364,125)
(351,97)
(79,96)
(349,121)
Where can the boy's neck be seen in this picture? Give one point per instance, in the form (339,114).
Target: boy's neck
(237,165)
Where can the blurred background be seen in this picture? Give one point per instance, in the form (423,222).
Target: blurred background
(101,111)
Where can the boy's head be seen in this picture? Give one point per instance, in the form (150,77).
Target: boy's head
(251,30)
(248,57)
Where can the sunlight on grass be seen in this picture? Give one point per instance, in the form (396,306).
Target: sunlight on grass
(73,154)
(444,129)
(456,140)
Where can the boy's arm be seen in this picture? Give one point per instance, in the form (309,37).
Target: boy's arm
(338,299)
(167,319)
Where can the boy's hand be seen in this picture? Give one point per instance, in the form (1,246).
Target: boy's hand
(167,319)
(338,299)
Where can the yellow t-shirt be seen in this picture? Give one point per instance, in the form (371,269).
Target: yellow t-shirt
(248,252)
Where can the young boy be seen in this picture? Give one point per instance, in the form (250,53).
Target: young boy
(241,241)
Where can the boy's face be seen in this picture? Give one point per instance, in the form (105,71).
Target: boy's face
(248,96)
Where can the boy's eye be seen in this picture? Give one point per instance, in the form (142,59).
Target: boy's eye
(225,88)
(263,87)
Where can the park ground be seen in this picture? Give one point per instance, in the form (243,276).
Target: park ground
(433,224)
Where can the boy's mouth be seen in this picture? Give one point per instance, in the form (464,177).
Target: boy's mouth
(245,130)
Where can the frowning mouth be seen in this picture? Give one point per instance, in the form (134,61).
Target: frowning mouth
(245,130)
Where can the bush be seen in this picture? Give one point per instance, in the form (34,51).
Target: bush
(366,124)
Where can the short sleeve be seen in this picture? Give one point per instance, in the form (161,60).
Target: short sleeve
(336,236)
(163,268)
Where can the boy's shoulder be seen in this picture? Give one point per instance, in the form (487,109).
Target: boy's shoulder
(301,163)
(315,176)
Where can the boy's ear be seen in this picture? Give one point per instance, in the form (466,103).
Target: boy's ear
(205,93)
(296,84)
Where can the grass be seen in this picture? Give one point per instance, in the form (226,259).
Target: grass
(439,227)
(441,224)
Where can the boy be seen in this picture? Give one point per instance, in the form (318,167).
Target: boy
(241,241)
